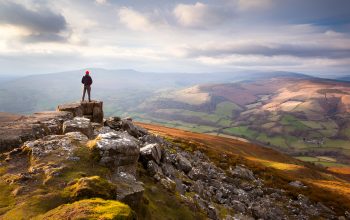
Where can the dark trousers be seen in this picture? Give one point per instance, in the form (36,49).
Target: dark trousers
(88,89)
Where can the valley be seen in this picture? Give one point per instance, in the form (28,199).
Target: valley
(306,118)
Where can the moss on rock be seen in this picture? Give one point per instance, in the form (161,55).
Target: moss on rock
(33,206)
(88,187)
(91,209)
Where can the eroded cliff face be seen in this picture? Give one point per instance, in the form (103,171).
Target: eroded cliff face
(115,169)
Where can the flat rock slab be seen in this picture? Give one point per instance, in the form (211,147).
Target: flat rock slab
(92,110)
(15,130)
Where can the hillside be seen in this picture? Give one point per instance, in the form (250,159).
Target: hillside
(304,117)
(69,167)
(277,169)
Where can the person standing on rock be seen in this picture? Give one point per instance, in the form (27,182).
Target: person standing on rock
(87,81)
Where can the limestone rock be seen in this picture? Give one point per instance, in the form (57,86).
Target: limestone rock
(243,172)
(153,169)
(151,152)
(92,110)
(183,163)
(75,108)
(14,131)
(119,151)
(114,123)
(133,129)
(168,184)
(78,124)
(129,190)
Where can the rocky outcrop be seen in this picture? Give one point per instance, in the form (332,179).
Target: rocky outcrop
(14,133)
(92,110)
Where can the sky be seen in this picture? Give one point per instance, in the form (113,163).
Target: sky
(306,36)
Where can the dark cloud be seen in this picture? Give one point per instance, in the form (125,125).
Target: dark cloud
(45,24)
(272,50)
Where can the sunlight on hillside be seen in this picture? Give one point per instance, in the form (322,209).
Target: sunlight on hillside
(337,186)
(277,165)
(340,170)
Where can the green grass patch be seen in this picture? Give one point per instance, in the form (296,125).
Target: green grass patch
(7,200)
(243,131)
(278,141)
(289,120)
(312,124)
(225,109)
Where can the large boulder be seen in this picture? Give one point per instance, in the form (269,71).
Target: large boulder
(118,150)
(78,124)
(15,130)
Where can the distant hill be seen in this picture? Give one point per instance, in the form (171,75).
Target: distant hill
(303,116)
(344,78)
(121,90)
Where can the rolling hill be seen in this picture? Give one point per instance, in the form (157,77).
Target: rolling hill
(304,117)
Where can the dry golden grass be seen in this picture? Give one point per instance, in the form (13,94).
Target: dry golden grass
(277,165)
(340,170)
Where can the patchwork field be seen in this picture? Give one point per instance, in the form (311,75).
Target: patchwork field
(304,117)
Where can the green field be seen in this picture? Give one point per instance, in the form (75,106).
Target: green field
(242,131)
(322,161)
(225,109)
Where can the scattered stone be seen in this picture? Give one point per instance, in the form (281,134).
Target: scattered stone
(297,184)
(132,129)
(243,172)
(183,164)
(212,212)
(168,184)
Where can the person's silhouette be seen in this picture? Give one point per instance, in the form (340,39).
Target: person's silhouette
(87,81)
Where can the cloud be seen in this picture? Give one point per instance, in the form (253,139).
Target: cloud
(253,4)
(200,15)
(134,20)
(42,22)
(101,2)
(306,50)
